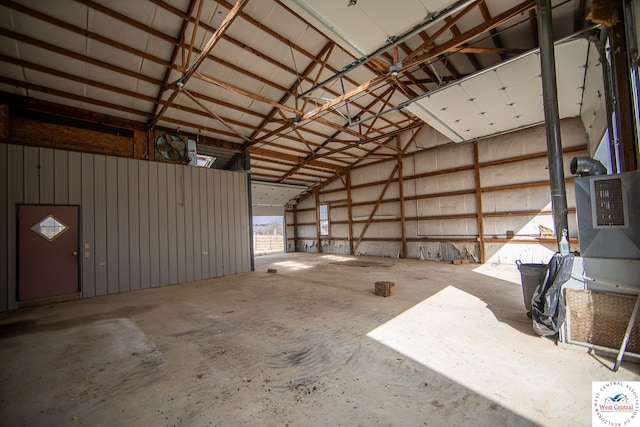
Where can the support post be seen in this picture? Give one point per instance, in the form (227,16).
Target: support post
(349,210)
(476,169)
(295,228)
(622,84)
(246,165)
(317,195)
(403,222)
(552,118)
(609,101)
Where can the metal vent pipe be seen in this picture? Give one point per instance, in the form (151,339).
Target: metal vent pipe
(552,118)
(586,166)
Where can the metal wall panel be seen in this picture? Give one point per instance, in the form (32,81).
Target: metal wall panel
(134,225)
(218,223)
(111,185)
(61,177)
(224,202)
(88,251)
(143,224)
(233,225)
(211,216)
(197,240)
(15,194)
(31,175)
(46,173)
(123,226)
(163,224)
(172,233)
(74,178)
(143,201)
(247,231)
(188,221)
(4,223)
(154,242)
(100,222)
(204,222)
(178,188)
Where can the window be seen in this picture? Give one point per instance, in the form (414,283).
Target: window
(49,228)
(205,161)
(324,219)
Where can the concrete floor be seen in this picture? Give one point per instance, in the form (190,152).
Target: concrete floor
(310,345)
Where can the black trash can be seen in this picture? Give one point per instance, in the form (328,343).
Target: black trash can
(532,276)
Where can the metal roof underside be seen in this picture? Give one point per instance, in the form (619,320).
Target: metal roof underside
(232,73)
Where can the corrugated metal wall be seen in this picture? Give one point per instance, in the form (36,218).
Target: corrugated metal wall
(144,224)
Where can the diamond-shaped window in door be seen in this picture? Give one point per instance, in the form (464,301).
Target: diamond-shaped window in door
(49,228)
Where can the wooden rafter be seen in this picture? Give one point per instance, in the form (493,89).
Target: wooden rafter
(470,56)
(325,51)
(62,94)
(294,159)
(281,39)
(497,41)
(80,57)
(127,20)
(213,40)
(81,31)
(214,115)
(196,24)
(429,41)
(174,56)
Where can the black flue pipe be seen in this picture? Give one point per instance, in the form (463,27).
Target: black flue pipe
(552,117)
(586,166)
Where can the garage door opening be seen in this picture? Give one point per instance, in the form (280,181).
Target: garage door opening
(268,235)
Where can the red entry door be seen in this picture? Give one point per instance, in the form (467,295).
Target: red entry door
(47,251)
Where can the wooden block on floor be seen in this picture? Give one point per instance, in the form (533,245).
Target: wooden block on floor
(456,261)
(385,289)
(272,270)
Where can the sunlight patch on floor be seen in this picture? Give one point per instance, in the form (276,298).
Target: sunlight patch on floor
(506,272)
(293,265)
(337,258)
(455,334)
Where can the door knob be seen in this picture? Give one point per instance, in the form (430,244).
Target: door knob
(74,253)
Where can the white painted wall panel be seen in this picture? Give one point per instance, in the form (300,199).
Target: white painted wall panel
(535,198)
